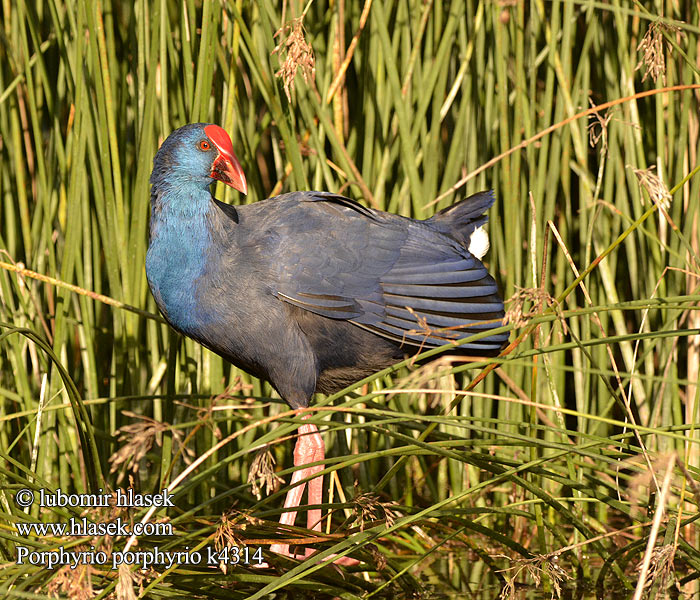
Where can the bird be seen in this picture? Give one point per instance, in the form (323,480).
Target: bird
(310,290)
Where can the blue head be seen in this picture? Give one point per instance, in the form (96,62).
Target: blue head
(195,155)
(187,163)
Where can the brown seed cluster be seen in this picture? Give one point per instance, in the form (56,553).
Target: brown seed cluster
(654,185)
(137,439)
(517,313)
(262,473)
(298,54)
(652,47)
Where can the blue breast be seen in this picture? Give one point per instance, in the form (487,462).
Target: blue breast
(175,263)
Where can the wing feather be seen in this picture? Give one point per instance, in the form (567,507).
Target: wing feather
(402,279)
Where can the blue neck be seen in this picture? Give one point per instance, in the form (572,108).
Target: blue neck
(179,239)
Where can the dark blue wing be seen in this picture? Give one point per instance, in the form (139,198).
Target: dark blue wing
(399,278)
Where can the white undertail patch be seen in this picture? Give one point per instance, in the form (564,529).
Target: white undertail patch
(479,242)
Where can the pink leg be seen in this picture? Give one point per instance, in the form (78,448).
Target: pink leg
(313,519)
(309,448)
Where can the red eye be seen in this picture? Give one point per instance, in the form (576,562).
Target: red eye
(204,145)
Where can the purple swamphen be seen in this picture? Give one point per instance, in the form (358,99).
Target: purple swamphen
(310,290)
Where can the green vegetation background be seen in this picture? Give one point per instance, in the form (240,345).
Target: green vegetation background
(550,470)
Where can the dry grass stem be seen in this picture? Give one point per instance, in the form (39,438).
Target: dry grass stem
(403,103)
(73,584)
(125,583)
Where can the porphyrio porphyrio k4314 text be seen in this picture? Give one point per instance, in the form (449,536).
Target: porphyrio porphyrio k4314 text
(309,290)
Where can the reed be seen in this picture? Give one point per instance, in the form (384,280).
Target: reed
(569,461)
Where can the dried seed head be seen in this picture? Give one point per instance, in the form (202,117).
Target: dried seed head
(74,584)
(139,438)
(516,312)
(125,584)
(661,570)
(652,47)
(598,129)
(225,536)
(535,568)
(655,187)
(299,54)
(368,507)
(262,472)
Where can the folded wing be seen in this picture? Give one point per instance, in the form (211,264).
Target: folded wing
(399,278)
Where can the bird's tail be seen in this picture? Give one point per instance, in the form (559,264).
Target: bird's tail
(462,219)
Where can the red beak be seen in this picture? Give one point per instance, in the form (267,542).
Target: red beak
(226,167)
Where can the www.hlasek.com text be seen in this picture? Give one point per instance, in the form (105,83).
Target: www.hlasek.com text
(82,526)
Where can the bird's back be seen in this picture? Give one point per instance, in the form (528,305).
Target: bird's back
(328,291)
(386,273)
